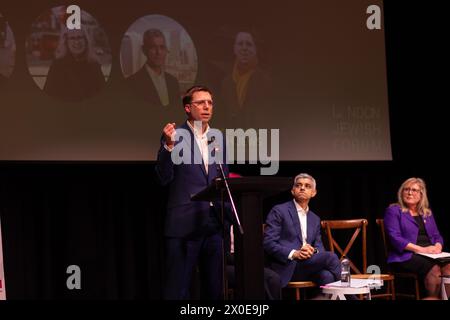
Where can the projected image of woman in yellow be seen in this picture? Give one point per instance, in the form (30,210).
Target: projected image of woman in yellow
(243,89)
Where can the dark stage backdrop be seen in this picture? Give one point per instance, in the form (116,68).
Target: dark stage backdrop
(108,217)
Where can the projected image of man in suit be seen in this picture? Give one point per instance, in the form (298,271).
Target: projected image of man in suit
(152,82)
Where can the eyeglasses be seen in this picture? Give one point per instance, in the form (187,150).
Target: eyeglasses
(208,103)
(412,190)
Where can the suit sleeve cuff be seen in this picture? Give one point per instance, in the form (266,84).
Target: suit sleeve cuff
(168,148)
(290,257)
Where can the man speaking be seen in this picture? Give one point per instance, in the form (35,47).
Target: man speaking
(193,229)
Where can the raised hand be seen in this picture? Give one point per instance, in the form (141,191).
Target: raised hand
(169,134)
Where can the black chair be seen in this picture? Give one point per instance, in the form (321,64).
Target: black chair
(400,275)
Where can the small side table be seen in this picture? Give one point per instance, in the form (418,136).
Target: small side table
(338,293)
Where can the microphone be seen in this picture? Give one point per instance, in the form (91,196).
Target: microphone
(216,148)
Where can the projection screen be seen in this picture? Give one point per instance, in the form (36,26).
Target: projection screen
(315,70)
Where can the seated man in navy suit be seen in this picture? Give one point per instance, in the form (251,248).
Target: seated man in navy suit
(293,241)
(193,229)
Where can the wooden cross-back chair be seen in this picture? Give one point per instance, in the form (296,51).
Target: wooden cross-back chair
(360,227)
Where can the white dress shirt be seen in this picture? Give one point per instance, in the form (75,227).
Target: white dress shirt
(302,213)
(202,142)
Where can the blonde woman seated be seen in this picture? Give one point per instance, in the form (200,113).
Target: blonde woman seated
(411,229)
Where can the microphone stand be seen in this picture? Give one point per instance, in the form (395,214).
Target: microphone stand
(233,207)
(238,222)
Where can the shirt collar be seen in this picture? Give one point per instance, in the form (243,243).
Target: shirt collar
(198,133)
(153,73)
(300,209)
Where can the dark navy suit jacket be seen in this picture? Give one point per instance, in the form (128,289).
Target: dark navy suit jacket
(283,234)
(184,216)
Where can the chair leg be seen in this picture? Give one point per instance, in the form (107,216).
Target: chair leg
(417,290)
(392,289)
(297,294)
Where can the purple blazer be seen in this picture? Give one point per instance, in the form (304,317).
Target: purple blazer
(401,229)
